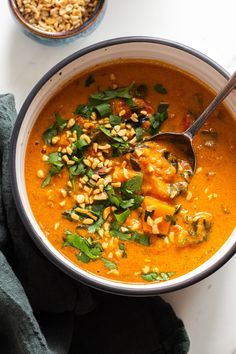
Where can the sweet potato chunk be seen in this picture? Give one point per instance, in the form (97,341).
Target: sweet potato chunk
(158,209)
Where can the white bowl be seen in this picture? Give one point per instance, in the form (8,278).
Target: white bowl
(180,56)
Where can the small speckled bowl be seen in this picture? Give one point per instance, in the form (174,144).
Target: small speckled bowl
(58,38)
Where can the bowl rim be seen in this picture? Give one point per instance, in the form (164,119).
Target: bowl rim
(23,215)
(57,35)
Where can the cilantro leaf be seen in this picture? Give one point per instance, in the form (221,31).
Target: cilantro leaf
(104,109)
(49,134)
(61,123)
(133,185)
(107,95)
(84,110)
(91,249)
(120,218)
(114,120)
(55,160)
(109,264)
(157,119)
(154,276)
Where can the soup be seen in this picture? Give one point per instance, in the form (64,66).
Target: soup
(121,208)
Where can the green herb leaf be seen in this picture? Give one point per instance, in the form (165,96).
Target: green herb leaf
(84,110)
(129,235)
(81,143)
(104,109)
(91,249)
(78,130)
(82,257)
(154,276)
(109,264)
(110,94)
(120,218)
(56,166)
(133,185)
(89,81)
(119,145)
(95,227)
(114,120)
(143,239)
(112,196)
(75,170)
(122,248)
(160,89)
(61,123)
(158,118)
(49,134)
(139,133)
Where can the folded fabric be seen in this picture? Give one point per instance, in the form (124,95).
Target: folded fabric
(42,310)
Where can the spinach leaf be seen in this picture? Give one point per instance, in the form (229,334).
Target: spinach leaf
(114,120)
(104,109)
(160,89)
(52,131)
(55,160)
(133,185)
(152,276)
(139,133)
(96,225)
(110,94)
(112,196)
(132,203)
(158,118)
(84,110)
(75,170)
(122,248)
(89,81)
(78,130)
(91,249)
(120,218)
(109,264)
(129,235)
(143,239)
(83,257)
(119,145)
(81,143)
(49,134)
(60,122)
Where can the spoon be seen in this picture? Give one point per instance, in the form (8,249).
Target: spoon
(184,140)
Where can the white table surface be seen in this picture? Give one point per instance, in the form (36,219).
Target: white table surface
(208,308)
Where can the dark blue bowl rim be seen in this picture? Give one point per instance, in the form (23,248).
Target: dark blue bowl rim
(83,279)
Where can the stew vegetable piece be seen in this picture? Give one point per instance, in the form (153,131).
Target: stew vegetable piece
(137,216)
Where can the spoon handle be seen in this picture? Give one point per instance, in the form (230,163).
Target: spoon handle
(191,131)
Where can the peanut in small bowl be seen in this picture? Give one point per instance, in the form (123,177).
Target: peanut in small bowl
(56,22)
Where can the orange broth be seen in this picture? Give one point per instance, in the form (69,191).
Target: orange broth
(177,248)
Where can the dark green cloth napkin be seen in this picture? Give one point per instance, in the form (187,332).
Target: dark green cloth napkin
(44,311)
